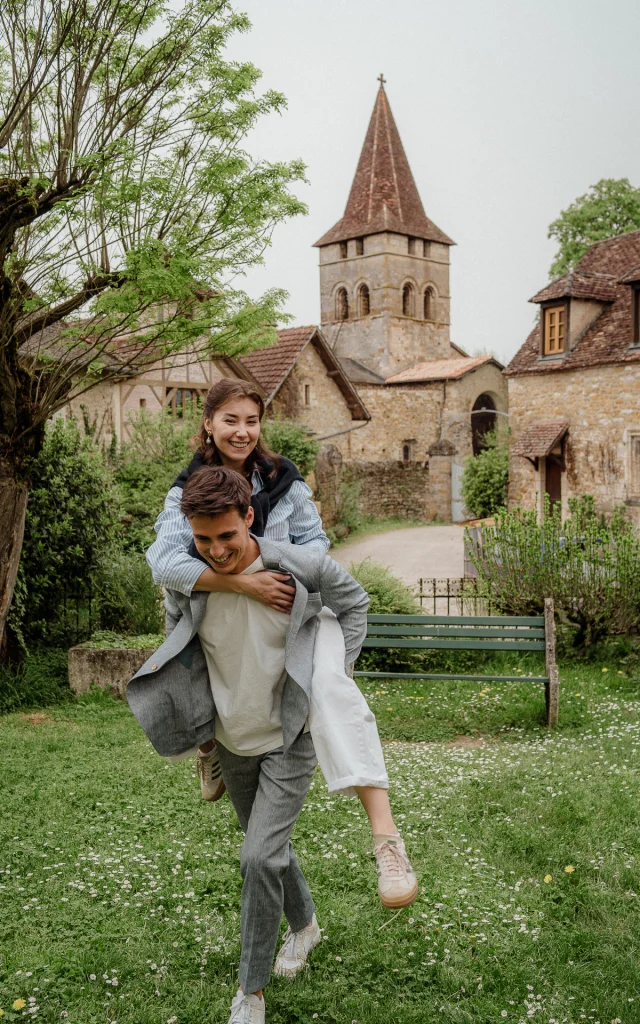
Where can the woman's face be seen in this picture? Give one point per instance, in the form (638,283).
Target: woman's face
(236,428)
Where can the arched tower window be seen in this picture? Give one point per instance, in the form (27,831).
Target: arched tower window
(408,304)
(342,304)
(363,300)
(482,421)
(429,312)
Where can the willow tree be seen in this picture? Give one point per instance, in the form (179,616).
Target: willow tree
(124,189)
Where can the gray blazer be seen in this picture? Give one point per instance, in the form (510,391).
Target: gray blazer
(171,696)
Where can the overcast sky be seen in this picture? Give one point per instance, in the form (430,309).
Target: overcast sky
(507,109)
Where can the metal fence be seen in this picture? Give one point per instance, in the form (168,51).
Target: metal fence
(79,618)
(462,596)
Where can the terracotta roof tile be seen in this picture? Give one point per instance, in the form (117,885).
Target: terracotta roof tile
(579,284)
(438,369)
(608,339)
(539,439)
(271,365)
(383,196)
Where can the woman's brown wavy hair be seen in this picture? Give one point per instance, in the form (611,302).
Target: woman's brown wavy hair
(223,391)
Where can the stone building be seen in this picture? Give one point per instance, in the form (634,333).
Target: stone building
(303,380)
(385,312)
(574,386)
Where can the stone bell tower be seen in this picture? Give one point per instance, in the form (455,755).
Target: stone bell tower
(384,267)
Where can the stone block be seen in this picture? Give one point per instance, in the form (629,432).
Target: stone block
(108,669)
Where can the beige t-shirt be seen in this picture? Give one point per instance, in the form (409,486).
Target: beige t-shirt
(243,641)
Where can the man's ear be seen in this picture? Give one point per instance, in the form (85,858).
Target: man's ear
(250,516)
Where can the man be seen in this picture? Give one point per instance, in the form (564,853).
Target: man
(234,668)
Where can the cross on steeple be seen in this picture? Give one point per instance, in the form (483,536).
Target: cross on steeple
(381,79)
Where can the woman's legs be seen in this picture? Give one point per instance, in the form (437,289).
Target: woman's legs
(376,803)
(350,755)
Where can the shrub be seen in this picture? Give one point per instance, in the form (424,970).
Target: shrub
(294,441)
(159,447)
(127,599)
(107,640)
(40,681)
(390,596)
(589,564)
(71,519)
(348,514)
(485,478)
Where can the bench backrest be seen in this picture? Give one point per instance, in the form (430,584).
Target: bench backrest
(462,632)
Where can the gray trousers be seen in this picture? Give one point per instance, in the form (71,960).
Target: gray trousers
(267,792)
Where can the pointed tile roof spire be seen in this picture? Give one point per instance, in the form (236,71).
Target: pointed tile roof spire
(383,195)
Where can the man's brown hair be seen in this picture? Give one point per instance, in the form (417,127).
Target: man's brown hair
(212,490)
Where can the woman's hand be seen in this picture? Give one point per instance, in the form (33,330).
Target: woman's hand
(268,587)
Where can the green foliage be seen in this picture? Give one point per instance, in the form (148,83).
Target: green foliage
(147,464)
(610,207)
(71,522)
(157,205)
(485,478)
(348,514)
(589,564)
(41,680)
(107,640)
(390,596)
(127,599)
(292,440)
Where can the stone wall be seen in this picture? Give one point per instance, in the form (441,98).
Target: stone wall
(391,489)
(421,414)
(386,340)
(101,407)
(399,414)
(386,489)
(327,411)
(602,407)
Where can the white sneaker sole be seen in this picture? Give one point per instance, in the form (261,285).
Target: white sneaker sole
(290,972)
(394,902)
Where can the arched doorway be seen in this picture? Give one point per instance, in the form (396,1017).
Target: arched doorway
(483,420)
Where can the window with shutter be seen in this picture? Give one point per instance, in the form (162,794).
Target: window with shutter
(554,330)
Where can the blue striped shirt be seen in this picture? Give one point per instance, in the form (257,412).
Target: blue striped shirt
(294,518)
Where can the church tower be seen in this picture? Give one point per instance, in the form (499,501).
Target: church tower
(384,267)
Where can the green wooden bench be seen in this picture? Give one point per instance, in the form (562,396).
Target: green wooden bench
(471,633)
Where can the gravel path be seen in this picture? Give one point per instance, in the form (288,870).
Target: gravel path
(427,551)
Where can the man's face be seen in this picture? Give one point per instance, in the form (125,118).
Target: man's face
(224,540)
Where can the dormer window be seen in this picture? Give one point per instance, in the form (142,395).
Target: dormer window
(554,330)
(344,250)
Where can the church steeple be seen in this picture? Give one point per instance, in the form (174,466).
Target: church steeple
(383,196)
(384,267)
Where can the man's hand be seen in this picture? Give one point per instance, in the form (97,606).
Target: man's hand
(274,589)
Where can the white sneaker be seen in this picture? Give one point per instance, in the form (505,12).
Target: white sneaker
(212,784)
(295,949)
(397,884)
(247,1009)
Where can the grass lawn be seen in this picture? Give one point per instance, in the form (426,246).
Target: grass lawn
(120,890)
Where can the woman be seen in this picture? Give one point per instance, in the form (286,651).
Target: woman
(342,726)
